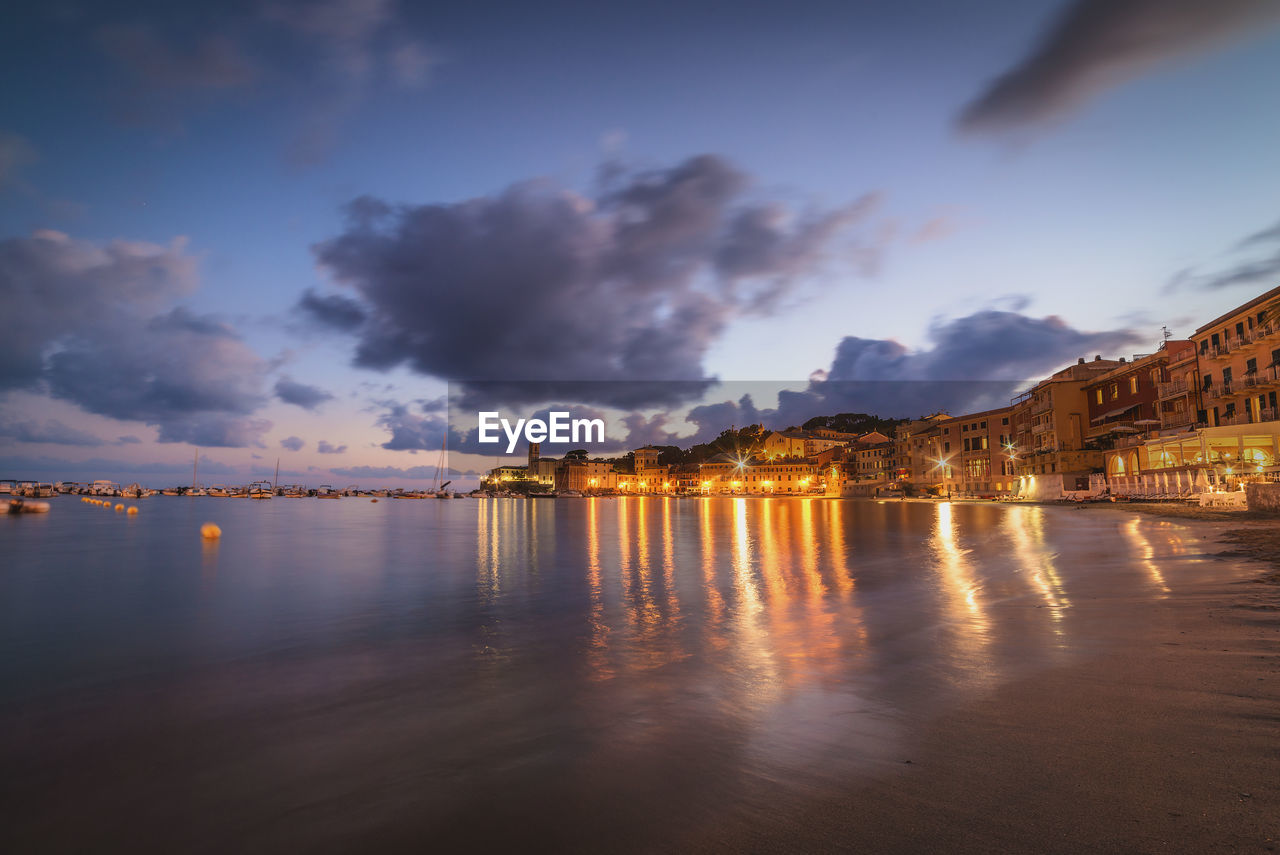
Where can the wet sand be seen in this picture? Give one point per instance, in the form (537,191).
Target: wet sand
(1169,742)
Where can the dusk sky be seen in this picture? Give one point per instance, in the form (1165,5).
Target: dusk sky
(278,229)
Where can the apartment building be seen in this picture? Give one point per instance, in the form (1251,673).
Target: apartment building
(976,451)
(1050,432)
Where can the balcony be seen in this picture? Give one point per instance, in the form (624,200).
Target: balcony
(1172,421)
(1267,378)
(1041,428)
(1225,389)
(1173,389)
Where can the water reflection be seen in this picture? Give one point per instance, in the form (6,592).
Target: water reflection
(1145,552)
(960,583)
(1025,527)
(587,663)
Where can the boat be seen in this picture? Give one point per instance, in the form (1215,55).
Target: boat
(22,506)
(219,491)
(136,491)
(8,487)
(326,491)
(102,487)
(261,490)
(196,489)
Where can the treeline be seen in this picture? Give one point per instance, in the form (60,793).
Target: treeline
(744,442)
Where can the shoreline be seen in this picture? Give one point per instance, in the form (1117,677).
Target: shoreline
(1162,743)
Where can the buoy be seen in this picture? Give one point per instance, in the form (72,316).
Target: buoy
(107,505)
(119,507)
(210,531)
(375,501)
(133,511)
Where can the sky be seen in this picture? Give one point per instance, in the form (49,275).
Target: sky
(314,232)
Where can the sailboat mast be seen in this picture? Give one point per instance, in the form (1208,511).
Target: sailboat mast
(276,482)
(195,467)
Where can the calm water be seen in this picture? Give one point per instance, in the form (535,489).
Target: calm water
(591,674)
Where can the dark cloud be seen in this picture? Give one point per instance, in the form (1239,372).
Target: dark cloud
(325,448)
(54,286)
(411,431)
(1097,44)
(89,324)
(128,439)
(1256,261)
(300,394)
(336,311)
(540,285)
(49,431)
(292,443)
(974,363)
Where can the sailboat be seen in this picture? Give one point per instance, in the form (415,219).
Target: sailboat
(196,489)
(441,489)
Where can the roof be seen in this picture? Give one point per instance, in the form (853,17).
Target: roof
(1254,303)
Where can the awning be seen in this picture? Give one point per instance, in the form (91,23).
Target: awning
(1114,413)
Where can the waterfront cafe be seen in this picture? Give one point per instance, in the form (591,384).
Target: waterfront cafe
(1187,463)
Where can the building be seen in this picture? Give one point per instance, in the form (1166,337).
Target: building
(1219,419)
(1050,425)
(1239,357)
(1126,407)
(647,475)
(976,453)
(917,462)
(586,476)
(781,477)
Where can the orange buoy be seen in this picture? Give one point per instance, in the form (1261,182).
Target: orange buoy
(210,531)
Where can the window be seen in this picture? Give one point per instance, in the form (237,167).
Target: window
(1240,330)
(983,425)
(1251,366)
(1004,421)
(1099,396)
(1208,382)
(1115,391)
(1133,385)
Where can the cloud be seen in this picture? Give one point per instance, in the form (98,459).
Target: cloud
(353,44)
(1260,264)
(300,394)
(93,325)
(54,286)
(1095,45)
(336,311)
(325,448)
(292,443)
(49,431)
(973,363)
(540,286)
(128,439)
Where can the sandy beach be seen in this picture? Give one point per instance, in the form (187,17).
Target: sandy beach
(1167,742)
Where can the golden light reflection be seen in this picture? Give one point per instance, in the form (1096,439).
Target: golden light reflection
(1146,553)
(597,649)
(1025,526)
(959,580)
(669,561)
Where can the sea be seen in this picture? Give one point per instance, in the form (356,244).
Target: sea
(502,674)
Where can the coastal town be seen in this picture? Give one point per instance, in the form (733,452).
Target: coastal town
(1196,418)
